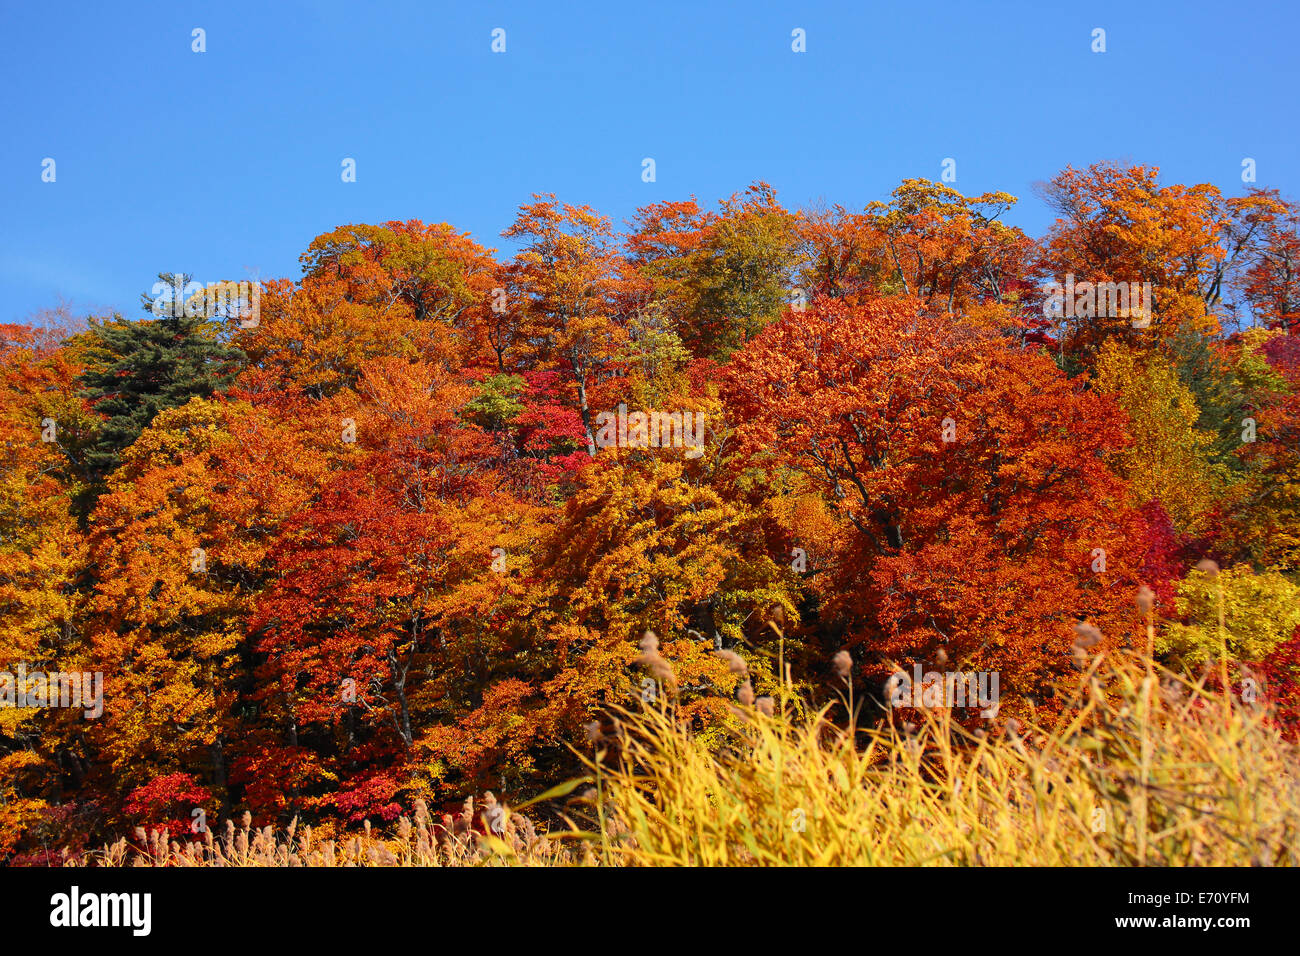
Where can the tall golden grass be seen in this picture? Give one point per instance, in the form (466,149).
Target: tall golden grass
(1145,767)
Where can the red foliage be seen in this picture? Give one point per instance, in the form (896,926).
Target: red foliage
(1281,671)
(969,476)
(1165,559)
(167,802)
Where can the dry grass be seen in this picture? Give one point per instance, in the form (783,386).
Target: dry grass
(501,837)
(1146,768)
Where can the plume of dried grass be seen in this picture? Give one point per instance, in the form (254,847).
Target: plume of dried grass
(502,838)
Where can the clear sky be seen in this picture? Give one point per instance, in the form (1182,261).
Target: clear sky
(226,163)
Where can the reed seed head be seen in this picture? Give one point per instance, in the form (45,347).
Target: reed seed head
(843,664)
(746,694)
(735,663)
(1086,635)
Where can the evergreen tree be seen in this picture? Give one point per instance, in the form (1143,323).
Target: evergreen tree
(1208,375)
(141,368)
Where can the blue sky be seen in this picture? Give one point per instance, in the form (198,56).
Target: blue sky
(226,164)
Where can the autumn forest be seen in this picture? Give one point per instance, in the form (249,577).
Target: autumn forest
(430,521)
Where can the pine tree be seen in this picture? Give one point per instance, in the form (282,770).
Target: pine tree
(1209,377)
(141,368)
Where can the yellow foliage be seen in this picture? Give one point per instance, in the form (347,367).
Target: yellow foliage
(1259,612)
(1169,459)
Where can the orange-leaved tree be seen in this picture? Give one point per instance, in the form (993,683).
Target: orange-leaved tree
(975,510)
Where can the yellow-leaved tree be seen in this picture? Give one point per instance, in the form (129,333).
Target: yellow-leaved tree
(1169,458)
(1258,612)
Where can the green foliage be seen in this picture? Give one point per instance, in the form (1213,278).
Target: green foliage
(1210,378)
(497,403)
(740,289)
(138,369)
(744,274)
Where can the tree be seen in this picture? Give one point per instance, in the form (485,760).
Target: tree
(642,544)
(180,547)
(974,507)
(440,273)
(43,560)
(948,249)
(1266,524)
(719,276)
(1259,612)
(1117,224)
(569,274)
(138,369)
(1268,272)
(1205,368)
(387,611)
(1169,460)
